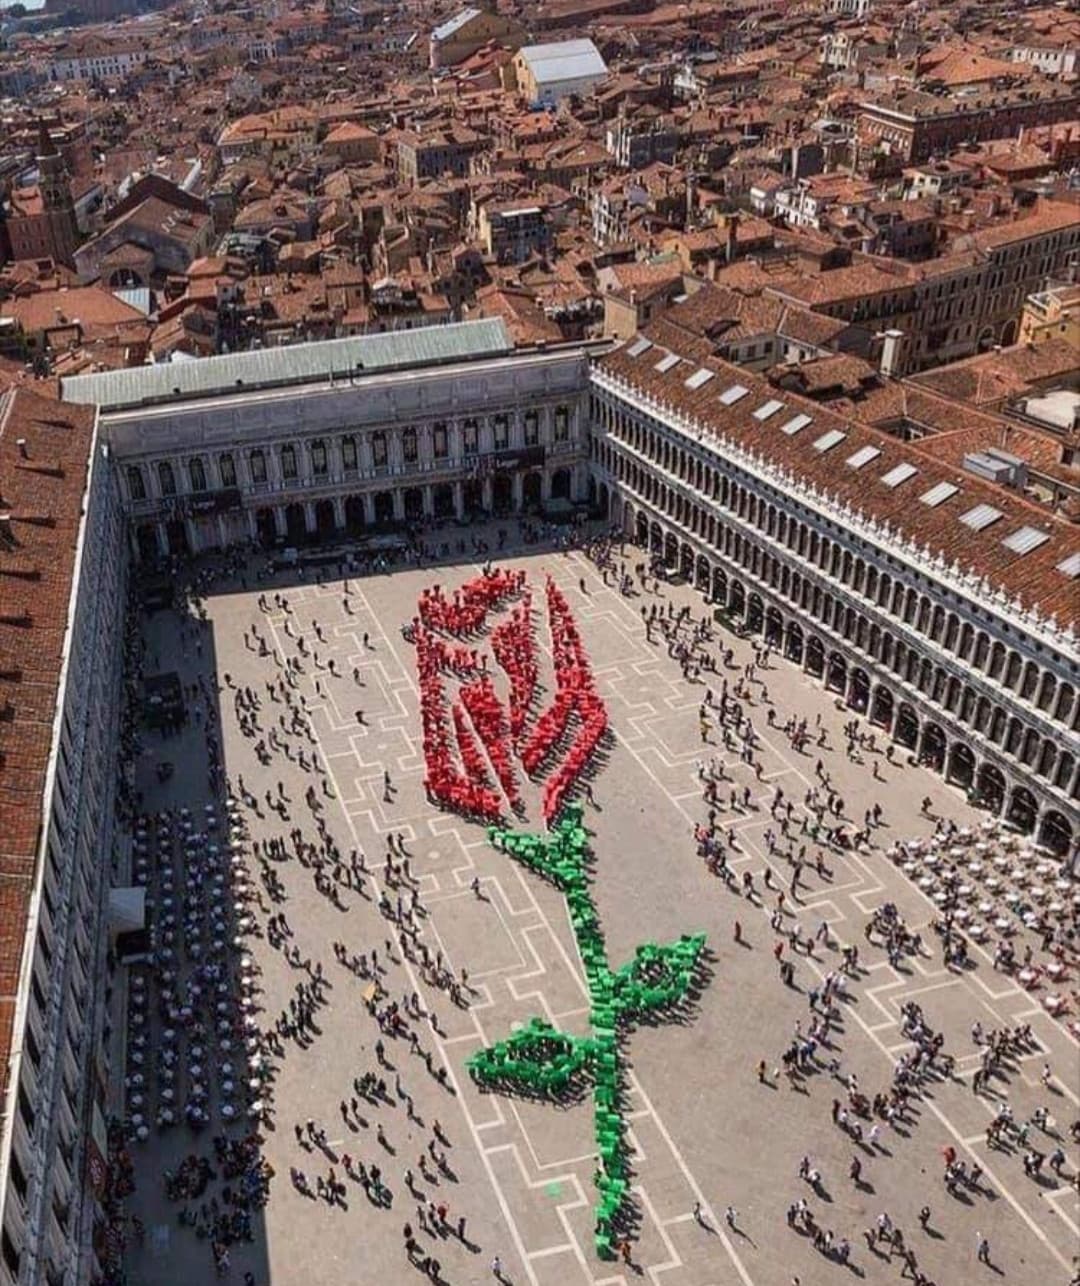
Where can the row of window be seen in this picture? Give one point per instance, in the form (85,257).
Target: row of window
(319,454)
(1028,680)
(67,914)
(1038,752)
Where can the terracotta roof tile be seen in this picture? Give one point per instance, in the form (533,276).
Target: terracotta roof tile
(1033,578)
(37,559)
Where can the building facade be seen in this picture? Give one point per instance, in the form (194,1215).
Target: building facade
(56,848)
(473,426)
(945,660)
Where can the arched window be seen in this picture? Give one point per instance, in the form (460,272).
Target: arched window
(288,462)
(227,469)
(257,461)
(197,474)
(408,446)
(166,479)
(318,456)
(136,483)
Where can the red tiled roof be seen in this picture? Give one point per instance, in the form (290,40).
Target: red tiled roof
(41,496)
(1032,578)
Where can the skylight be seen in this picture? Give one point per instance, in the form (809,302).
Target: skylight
(1025,540)
(639,346)
(1070,566)
(828,440)
(980,517)
(768,408)
(863,456)
(700,377)
(938,494)
(898,475)
(732,395)
(796,423)
(666,363)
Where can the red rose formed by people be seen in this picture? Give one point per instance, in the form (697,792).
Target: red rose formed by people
(471,744)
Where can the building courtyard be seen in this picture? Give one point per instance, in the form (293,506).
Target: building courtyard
(705,1131)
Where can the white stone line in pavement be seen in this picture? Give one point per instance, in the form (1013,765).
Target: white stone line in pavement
(670,1142)
(500,1196)
(957,1137)
(692,1183)
(674,1259)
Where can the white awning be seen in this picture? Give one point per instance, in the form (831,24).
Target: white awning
(127,910)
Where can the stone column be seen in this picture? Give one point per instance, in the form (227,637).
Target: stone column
(519,486)
(162,538)
(310,521)
(279,520)
(339,512)
(399,504)
(459,500)
(429,501)
(252,523)
(486,493)
(369,508)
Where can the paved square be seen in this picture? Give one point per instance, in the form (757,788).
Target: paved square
(705,1133)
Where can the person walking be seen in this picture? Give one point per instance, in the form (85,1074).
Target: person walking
(982,1248)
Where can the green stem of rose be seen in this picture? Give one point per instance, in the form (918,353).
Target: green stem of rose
(562,860)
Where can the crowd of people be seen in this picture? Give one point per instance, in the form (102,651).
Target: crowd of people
(219,1191)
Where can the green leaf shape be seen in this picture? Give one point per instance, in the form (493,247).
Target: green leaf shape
(545,1059)
(657,976)
(539,1056)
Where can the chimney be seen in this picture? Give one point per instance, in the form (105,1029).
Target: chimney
(892,341)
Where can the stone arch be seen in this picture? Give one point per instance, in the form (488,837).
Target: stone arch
(961,765)
(933,746)
(990,786)
(882,707)
(837,673)
(532,490)
(702,574)
(295,523)
(1055,832)
(793,642)
(815,656)
(325,521)
(1023,809)
(906,730)
(354,514)
(859,690)
(774,626)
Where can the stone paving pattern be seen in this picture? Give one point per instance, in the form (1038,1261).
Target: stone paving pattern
(704,1130)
